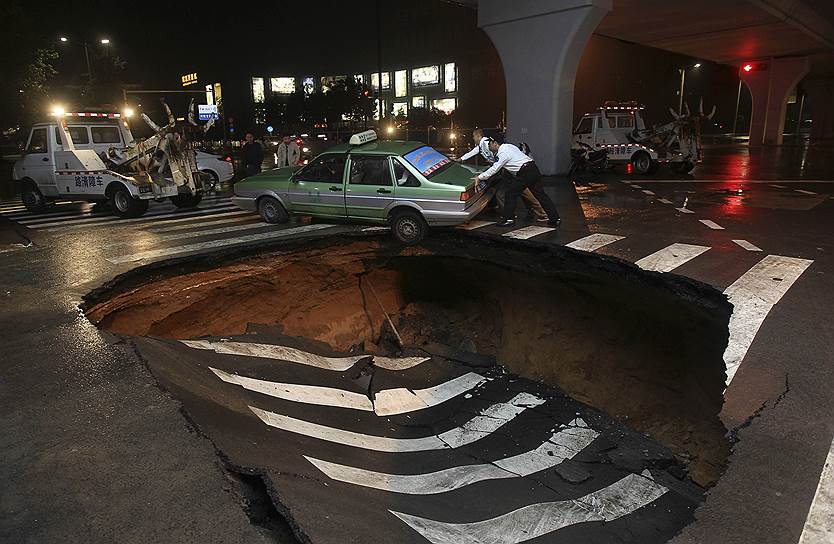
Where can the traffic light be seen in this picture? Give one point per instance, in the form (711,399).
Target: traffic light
(748,67)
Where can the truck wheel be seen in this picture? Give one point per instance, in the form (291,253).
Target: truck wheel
(32,198)
(654,168)
(409,227)
(272,211)
(186,200)
(125,205)
(641,162)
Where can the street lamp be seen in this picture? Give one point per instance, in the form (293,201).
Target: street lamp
(106,41)
(683,82)
(63,39)
(103,41)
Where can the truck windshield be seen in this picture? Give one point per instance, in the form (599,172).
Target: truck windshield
(427,160)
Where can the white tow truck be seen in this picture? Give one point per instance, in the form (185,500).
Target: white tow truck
(108,164)
(619,129)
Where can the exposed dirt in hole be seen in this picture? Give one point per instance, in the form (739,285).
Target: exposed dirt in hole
(644,348)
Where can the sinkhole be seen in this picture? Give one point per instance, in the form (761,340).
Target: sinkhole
(645,348)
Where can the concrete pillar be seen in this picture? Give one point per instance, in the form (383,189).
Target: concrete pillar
(540,43)
(820,93)
(770,83)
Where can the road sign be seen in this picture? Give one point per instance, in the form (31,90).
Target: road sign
(207,111)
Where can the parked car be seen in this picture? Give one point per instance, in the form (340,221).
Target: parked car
(219,168)
(407,185)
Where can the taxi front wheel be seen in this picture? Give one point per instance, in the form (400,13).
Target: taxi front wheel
(272,211)
(409,227)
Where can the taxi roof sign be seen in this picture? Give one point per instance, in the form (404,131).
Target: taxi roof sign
(363,137)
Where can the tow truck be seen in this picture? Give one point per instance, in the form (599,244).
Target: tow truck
(128,176)
(619,129)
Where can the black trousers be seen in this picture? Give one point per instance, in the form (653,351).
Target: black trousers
(529,177)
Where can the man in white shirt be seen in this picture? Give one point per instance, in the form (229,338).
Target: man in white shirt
(287,153)
(525,175)
(533,206)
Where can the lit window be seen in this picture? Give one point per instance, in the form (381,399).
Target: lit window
(401,109)
(386,81)
(359,78)
(427,75)
(282,85)
(327,82)
(418,102)
(218,93)
(309,85)
(400,83)
(450,77)
(258,89)
(209,95)
(379,109)
(446,105)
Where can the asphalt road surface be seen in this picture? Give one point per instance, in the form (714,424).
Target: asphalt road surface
(94,447)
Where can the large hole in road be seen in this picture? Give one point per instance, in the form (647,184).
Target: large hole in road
(643,347)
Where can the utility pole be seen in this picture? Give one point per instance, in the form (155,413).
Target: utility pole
(738,99)
(680,101)
(379,58)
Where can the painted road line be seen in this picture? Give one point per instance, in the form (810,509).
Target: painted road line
(766,181)
(390,402)
(526,233)
(305,394)
(398,363)
(281,353)
(196,234)
(89,213)
(472,225)
(636,186)
(608,504)
(684,210)
(376,229)
(490,420)
(562,445)
(804,192)
(213,244)
(650,193)
(711,224)
(670,257)
(118,221)
(199,222)
(752,297)
(594,242)
(778,186)
(664,201)
(819,525)
(747,245)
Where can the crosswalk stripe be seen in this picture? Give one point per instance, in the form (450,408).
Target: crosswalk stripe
(305,394)
(646,191)
(636,186)
(562,445)
(819,525)
(194,220)
(147,218)
(197,234)
(472,225)
(663,200)
(594,241)
(390,402)
(274,351)
(684,210)
(670,257)
(525,233)
(747,245)
(752,296)
(804,192)
(398,363)
(778,186)
(608,504)
(199,222)
(24,218)
(711,224)
(5,211)
(89,212)
(487,422)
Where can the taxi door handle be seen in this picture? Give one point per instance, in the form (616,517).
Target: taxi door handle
(383,191)
(336,189)
(45,159)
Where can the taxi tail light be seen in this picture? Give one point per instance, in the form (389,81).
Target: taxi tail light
(465,196)
(227,158)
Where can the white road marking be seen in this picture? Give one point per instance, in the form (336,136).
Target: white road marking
(376,229)
(118,222)
(562,445)
(670,257)
(711,224)
(663,200)
(196,234)
(804,192)
(684,210)
(594,241)
(819,525)
(525,233)
(305,394)
(646,191)
(752,296)
(778,186)
(103,213)
(472,225)
(613,502)
(401,400)
(770,181)
(636,186)
(398,363)
(166,252)
(747,245)
(199,221)
(281,353)
(480,426)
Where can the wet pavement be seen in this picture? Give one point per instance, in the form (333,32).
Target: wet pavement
(96,448)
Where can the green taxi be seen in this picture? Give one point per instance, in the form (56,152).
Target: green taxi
(407,185)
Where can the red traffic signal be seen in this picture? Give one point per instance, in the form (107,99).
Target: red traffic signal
(748,67)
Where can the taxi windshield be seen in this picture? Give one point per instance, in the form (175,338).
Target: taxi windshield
(428,161)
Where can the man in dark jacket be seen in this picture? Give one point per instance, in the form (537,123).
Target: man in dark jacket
(251,156)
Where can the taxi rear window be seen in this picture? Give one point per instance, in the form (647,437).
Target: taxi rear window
(427,160)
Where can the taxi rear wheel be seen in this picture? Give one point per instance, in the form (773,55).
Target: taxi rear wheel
(272,211)
(409,227)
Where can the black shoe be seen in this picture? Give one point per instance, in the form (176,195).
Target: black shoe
(555,223)
(506,223)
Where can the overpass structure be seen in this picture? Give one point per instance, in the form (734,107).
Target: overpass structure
(776,44)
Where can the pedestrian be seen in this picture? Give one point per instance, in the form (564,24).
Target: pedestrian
(251,156)
(534,209)
(525,175)
(288,153)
